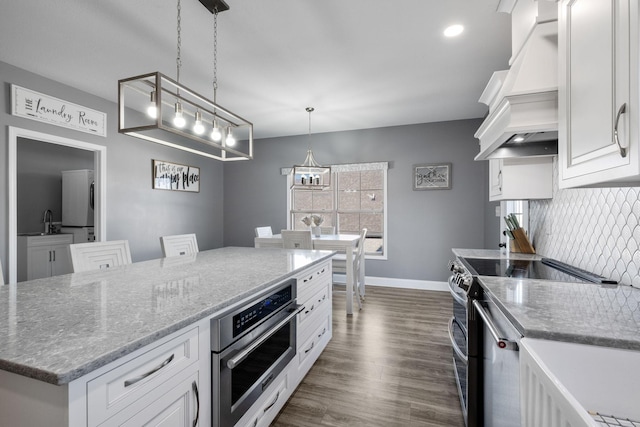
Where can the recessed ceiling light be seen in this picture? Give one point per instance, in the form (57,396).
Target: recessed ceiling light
(453,30)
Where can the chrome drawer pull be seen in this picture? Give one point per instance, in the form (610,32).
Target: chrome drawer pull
(309,349)
(132,381)
(621,111)
(501,342)
(273,403)
(194,386)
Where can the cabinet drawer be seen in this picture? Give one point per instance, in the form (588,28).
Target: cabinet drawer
(140,377)
(315,303)
(311,279)
(312,344)
(271,406)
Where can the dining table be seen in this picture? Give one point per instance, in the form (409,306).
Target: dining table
(341,243)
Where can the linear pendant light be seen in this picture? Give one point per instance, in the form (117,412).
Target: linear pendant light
(159,109)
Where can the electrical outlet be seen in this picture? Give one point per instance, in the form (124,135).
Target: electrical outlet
(498,211)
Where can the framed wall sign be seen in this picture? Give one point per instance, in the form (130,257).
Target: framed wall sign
(432,176)
(44,108)
(173,176)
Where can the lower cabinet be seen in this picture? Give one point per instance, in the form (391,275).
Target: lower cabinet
(43,256)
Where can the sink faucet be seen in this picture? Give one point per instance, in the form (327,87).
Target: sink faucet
(47,219)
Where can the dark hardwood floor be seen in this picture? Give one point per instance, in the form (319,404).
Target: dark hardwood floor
(387,365)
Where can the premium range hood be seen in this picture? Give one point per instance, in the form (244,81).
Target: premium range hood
(523,101)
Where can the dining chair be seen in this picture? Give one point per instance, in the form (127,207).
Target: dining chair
(296,239)
(99,255)
(339,265)
(179,244)
(327,230)
(263,232)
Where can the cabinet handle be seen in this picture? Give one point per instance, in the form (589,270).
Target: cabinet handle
(49,256)
(310,310)
(322,333)
(500,180)
(621,111)
(272,403)
(54,256)
(309,349)
(194,386)
(132,381)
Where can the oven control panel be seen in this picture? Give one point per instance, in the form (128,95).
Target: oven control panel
(262,309)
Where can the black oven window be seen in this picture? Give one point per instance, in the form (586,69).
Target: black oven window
(244,375)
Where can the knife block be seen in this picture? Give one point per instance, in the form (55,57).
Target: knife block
(520,242)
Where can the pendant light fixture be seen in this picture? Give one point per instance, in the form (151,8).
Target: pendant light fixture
(310,174)
(156,108)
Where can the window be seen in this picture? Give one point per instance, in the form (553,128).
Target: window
(356,199)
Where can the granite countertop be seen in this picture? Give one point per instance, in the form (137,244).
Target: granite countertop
(58,329)
(585,313)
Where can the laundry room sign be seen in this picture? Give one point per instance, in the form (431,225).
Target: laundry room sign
(44,108)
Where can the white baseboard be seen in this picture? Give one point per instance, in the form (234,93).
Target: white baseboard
(426,285)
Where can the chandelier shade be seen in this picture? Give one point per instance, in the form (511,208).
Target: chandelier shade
(149,104)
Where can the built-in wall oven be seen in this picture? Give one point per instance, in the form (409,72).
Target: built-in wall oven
(250,346)
(488,383)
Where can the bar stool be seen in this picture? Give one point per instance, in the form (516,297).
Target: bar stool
(179,244)
(99,255)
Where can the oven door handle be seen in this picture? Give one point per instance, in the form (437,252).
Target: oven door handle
(456,296)
(501,342)
(454,344)
(238,358)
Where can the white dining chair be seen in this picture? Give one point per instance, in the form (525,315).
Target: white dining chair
(296,239)
(179,244)
(99,255)
(339,265)
(263,232)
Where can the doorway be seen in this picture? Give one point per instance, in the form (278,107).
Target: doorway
(99,161)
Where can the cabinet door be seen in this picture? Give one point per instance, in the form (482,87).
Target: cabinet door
(61,260)
(495,178)
(595,99)
(180,407)
(38,262)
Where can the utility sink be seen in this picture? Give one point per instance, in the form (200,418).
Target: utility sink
(567,384)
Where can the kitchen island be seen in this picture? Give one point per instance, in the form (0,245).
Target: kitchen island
(59,334)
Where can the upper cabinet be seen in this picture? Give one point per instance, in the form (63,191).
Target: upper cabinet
(521,178)
(598,139)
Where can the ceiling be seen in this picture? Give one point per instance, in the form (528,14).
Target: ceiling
(359,63)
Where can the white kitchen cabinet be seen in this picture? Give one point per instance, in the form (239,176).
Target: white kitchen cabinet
(523,178)
(43,256)
(598,92)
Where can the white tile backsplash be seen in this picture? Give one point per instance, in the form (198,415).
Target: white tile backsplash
(597,229)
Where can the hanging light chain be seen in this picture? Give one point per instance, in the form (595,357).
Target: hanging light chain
(309,110)
(179,45)
(215,53)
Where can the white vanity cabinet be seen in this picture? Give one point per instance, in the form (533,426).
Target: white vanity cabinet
(523,178)
(43,256)
(598,92)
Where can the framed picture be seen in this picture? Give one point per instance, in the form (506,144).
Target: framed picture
(173,176)
(432,176)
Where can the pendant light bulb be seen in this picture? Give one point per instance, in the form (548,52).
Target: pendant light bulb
(216,135)
(230,140)
(152,110)
(198,127)
(179,120)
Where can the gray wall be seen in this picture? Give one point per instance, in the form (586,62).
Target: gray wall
(134,210)
(423,226)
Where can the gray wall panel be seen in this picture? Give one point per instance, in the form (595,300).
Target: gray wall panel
(423,226)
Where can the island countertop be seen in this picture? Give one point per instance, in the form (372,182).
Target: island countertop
(60,328)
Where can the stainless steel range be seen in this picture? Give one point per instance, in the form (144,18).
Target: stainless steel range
(485,343)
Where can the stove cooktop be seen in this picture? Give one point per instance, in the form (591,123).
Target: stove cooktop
(545,269)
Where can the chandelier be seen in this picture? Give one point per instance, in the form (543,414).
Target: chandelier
(310,174)
(159,109)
